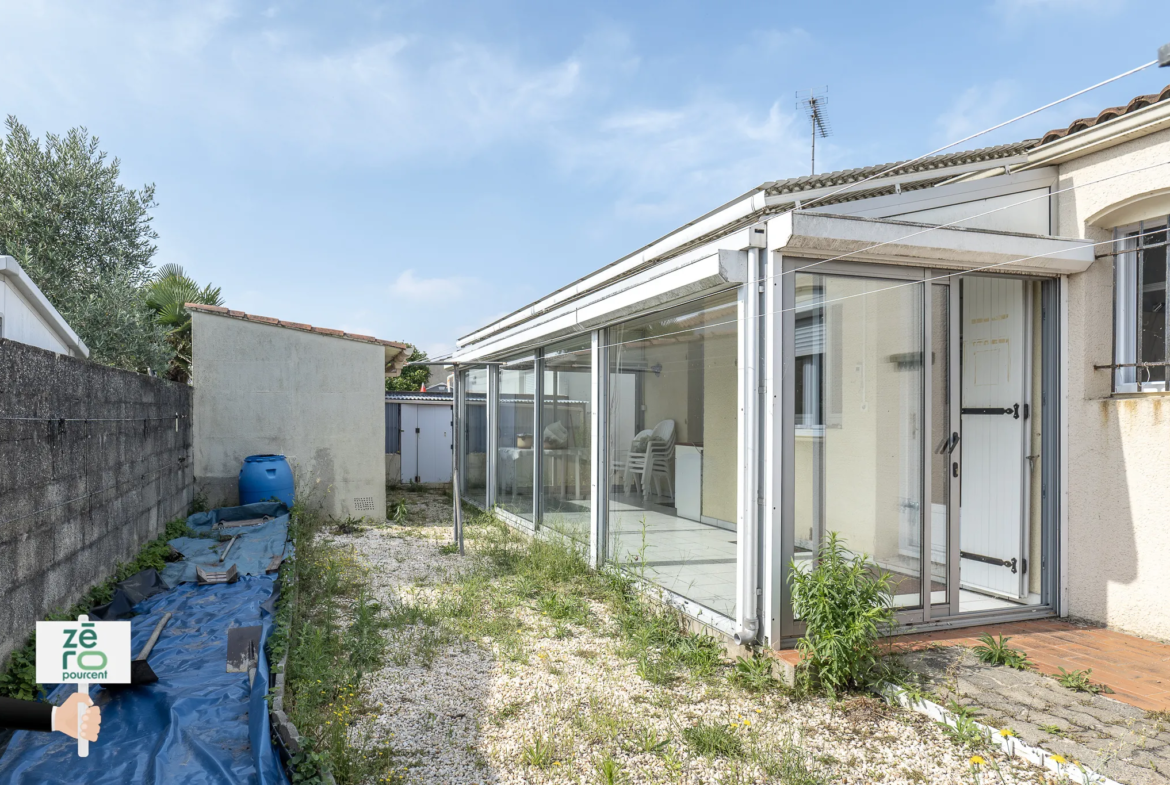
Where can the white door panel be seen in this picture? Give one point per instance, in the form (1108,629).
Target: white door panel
(409,442)
(994,429)
(434,444)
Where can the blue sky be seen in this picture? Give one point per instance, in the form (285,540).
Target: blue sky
(416,169)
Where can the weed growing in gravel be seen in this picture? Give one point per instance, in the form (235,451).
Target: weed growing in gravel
(754,674)
(1052,729)
(335,636)
(1078,681)
(396,511)
(609,771)
(540,752)
(788,764)
(647,740)
(714,739)
(996,652)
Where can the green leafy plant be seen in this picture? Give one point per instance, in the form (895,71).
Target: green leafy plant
(846,604)
(967,733)
(714,739)
(647,740)
(167,295)
(449,549)
(656,669)
(397,511)
(539,752)
(959,710)
(1079,681)
(1052,729)
(753,673)
(995,651)
(609,771)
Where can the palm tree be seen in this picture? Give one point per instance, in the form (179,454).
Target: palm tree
(166,294)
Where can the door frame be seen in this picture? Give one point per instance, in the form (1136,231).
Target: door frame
(929,615)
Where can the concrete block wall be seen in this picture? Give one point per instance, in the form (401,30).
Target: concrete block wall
(93,462)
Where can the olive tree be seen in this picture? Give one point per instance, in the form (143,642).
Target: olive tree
(85,239)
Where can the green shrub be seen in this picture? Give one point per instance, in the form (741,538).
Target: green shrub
(846,604)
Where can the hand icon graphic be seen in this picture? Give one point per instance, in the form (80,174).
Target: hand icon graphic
(65,717)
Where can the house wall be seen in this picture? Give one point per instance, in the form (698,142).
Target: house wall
(22,323)
(317,399)
(99,466)
(1118,446)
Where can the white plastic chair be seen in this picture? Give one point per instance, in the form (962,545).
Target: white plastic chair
(621,464)
(656,461)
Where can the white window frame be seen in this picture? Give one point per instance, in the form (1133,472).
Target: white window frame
(1127,377)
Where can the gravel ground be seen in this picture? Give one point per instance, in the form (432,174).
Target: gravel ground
(468,716)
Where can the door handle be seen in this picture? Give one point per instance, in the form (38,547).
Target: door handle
(954,442)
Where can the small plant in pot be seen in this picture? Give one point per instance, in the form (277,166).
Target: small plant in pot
(846,603)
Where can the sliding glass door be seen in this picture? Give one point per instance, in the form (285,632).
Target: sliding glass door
(565,445)
(859,423)
(919,432)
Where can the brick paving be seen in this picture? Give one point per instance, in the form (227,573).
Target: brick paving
(1118,740)
(1137,670)
(1124,735)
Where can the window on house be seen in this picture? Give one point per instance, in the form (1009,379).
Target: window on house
(1141,320)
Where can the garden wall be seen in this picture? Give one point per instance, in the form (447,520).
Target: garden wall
(93,462)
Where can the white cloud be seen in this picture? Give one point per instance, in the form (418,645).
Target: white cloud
(670,162)
(1015,10)
(977,108)
(410,286)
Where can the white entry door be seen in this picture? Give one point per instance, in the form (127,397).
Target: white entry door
(434,443)
(992,525)
(409,443)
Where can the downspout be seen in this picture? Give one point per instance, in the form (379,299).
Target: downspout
(747,628)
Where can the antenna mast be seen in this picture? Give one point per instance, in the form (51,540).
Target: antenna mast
(815,103)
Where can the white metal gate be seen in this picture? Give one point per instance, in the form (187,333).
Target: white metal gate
(426,443)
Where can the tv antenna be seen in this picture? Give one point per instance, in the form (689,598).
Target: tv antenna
(814,104)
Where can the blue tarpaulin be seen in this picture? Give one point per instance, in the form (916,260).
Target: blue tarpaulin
(198,724)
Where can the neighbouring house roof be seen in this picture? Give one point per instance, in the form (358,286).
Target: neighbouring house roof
(13,274)
(843,177)
(396,353)
(1112,113)
(419,397)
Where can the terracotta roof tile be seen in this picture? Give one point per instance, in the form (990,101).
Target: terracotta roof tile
(1112,113)
(221,311)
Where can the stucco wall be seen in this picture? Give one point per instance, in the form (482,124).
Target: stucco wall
(316,399)
(1118,446)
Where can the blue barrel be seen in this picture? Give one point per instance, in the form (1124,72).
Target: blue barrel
(265,477)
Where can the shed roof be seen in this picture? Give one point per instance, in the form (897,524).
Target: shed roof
(396,353)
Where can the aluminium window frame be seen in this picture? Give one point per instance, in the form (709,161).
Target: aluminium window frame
(784,629)
(1128,270)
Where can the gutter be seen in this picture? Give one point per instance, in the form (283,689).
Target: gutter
(1143,122)
(15,275)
